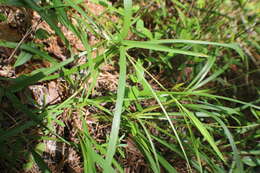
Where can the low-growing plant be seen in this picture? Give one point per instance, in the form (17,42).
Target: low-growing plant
(173,60)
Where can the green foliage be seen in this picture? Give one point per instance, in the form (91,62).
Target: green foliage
(188,117)
(19,3)
(2,18)
(22,58)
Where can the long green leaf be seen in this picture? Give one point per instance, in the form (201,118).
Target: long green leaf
(229,45)
(239,165)
(159,47)
(118,110)
(156,165)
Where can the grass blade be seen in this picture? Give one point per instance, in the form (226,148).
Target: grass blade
(202,74)
(127,18)
(22,58)
(233,46)
(159,47)
(118,110)
(42,165)
(156,166)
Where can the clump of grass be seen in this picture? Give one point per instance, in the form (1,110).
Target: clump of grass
(189,119)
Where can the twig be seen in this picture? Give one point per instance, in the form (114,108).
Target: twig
(28,32)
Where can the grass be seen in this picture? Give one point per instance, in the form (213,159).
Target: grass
(173,61)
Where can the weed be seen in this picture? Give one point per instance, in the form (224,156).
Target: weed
(173,62)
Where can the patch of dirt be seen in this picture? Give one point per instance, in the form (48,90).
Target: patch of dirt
(17,21)
(134,160)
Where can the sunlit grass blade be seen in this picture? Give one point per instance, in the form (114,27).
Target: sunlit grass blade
(202,74)
(87,150)
(91,158)
(211,77)
(227,45)
(118,110)
(207,94)
(155,166)
(248,104)
(159,47)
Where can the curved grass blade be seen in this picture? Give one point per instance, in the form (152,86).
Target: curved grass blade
(211,77)
(166,164)
(239,165)
(247,104)
(145,148)
(237,159)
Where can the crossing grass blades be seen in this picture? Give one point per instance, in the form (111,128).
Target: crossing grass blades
(188,118)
